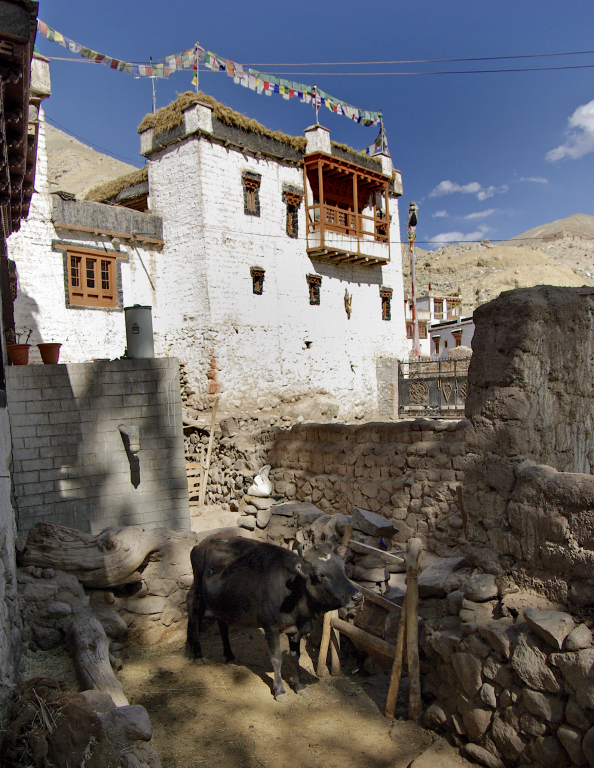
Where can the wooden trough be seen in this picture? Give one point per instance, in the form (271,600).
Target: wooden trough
(407,636)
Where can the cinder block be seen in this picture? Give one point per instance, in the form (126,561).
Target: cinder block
(42,406)
(48,474)
(27,477)
(35,442)
(34,420)
(31,500)
(60,417)
(32,464)
(25,454)
(21,431)
(57,392)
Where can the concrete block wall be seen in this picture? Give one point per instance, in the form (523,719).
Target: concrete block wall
(70,465)
(407,471)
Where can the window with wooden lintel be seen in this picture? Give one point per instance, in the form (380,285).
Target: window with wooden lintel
(347,210)
(438,309)
(257,280)
(251,193)
(292,199)
(422,330)
(91,278)
(436,344)
(386,295)
(313,283)
(453,307)
(409,330)
(457,337)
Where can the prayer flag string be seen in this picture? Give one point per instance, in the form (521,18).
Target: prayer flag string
(248,78)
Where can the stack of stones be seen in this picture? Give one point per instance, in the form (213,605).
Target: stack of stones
(376,531)
(505,673)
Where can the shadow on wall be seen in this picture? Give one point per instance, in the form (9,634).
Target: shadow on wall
(25,309)
(73,465)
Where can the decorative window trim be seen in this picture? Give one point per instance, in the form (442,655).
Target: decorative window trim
(257,274)
(251,193)
(457,337)
(292,197)
(314,282)
(422,330)
(386,296)
(116,302)
(409,333)
(436,340)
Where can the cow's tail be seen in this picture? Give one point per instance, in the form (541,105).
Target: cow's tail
(195,602)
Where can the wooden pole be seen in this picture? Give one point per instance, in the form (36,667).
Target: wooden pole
(363,638)
(414,548)
(334,646)
(206,465)
(322,671)
(396,673)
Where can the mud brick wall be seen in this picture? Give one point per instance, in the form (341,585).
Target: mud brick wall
(70,463)
(407,471)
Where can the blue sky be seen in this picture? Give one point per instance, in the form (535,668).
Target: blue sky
(484,155)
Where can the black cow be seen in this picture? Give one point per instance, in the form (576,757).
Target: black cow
(248,583)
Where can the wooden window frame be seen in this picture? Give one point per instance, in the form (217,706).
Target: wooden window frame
(436,340)
(251,193)
(438,315)
(257,274)
(457,337)
(293,201)
(80,293)
(386,295)
(409,330)
(422,330)
(313,283)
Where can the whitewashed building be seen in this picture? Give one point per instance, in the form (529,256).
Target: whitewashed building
(271,263)
(431,308)
(449,335)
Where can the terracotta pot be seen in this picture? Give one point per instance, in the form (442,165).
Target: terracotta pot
(50,353)
(19,353)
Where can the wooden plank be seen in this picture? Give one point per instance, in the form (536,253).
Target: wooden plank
(369,642)
(334,648)
(367,549)
(414,550)
(100,231)
(321,670)
(396,672)
(378,599)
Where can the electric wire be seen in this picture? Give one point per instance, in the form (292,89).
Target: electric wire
(86,141)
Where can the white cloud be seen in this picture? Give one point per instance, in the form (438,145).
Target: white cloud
(439,215)
(460,237)
(480,214)
(535,179)
(473,188)
(580,135)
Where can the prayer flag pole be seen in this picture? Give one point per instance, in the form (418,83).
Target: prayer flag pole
(412,235)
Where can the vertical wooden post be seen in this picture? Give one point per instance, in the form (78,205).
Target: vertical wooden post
(396,673)
(206,464)
(334,647)
(414,548)
(387,197)
(356,207)
(321,670)
(322,210)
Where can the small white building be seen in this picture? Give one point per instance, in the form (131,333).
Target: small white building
(270,261)
(431,308)
(449,335)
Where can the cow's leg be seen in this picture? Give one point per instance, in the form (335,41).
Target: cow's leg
(197,609)
(295,648)
(224,630)
(273,640)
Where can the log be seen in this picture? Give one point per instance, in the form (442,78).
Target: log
(366,549)
(334,647)
(109,559)
(369,642)
(414,549)
(91,655)
(378,599)
(326,631)
(396,672)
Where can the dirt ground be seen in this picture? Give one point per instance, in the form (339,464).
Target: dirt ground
(225,715)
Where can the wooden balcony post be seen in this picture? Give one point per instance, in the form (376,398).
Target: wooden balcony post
(322,207)
(387,197)
(356,207)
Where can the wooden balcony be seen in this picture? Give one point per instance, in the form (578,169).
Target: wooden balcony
(347,211)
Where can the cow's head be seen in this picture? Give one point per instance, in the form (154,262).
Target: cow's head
(327,583)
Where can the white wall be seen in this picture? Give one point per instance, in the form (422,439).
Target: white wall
(41,300)
(446,333)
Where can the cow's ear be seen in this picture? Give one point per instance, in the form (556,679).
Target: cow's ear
(302,568)
(341,551)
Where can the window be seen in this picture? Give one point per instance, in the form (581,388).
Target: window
(314,282)
(436,344)
(91,278)
(457,337)
(422,330)
(409,330)
(453,307)
(251,193)
(257,280)
(292,199)
(438,309)
(386,295)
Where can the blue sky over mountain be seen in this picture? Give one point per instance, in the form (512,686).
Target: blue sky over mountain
(486,155)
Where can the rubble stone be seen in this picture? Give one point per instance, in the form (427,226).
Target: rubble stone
(509,744)
(550,708)
(529,663)
(372,523)
(576,669)
(480,588)
(552,626)
(432,578)
(548,752)
(571,739)
(482,756)
(578,639)
(468,671)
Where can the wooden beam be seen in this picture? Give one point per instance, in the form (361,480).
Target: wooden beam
(367,549)
(107,232)
(369,642)
(378,599)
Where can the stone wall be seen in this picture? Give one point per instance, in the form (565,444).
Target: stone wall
(531,399)
(407,472)
(70,463)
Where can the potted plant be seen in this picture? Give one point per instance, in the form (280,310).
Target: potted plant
(19,353)
(50,352)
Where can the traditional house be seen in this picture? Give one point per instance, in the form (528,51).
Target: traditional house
(270,261)
(449,335)
(431,308)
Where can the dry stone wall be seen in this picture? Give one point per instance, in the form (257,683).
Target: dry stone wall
(531,402)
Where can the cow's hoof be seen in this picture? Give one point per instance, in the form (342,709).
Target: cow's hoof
(301,691)
(234,662)
(282,697)
(201,661)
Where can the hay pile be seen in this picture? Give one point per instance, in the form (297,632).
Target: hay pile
(112,188)
(169,117)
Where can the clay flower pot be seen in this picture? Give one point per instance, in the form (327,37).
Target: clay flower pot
(19,353)
(50,352)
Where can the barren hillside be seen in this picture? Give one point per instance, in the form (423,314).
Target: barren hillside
(75,167)
(561,253)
